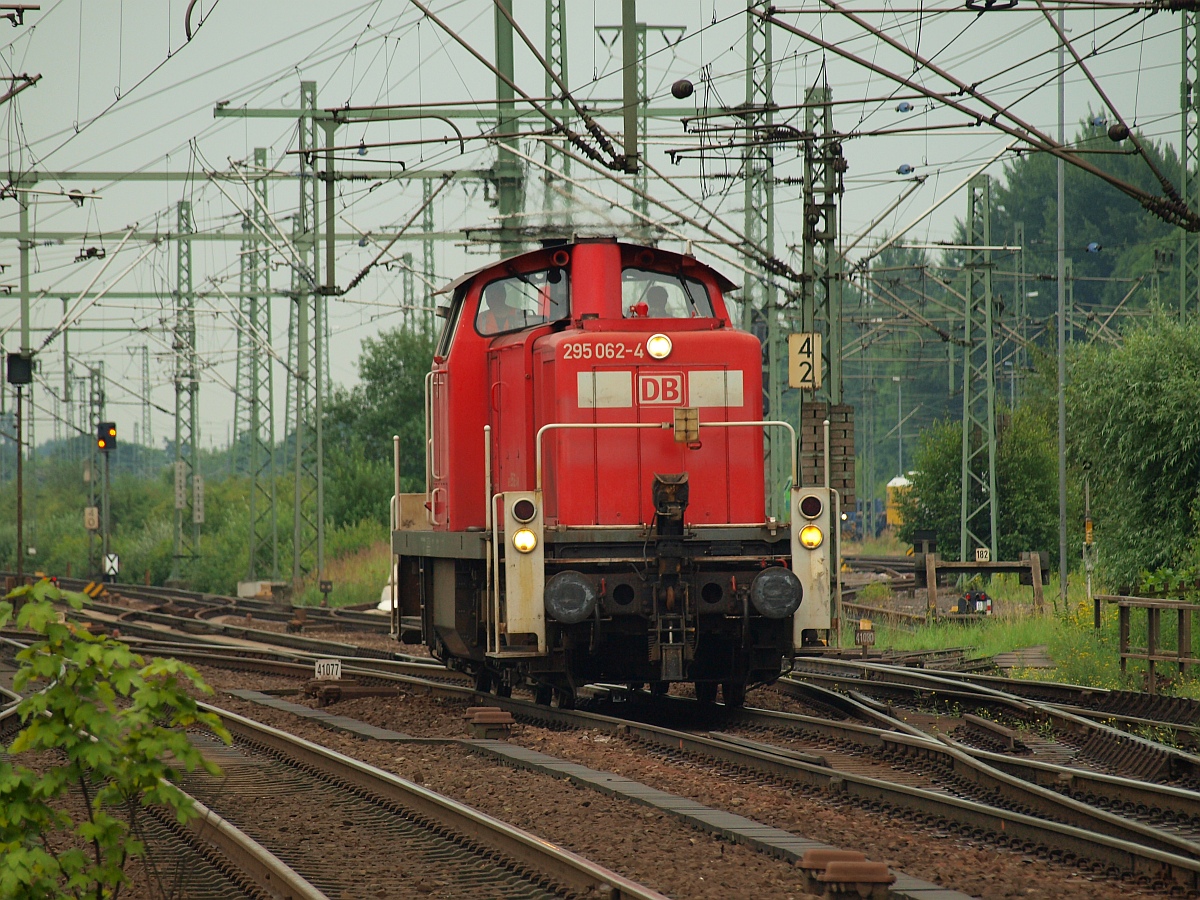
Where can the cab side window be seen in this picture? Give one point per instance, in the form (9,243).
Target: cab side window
(452,317)
(664,296)
(522,301)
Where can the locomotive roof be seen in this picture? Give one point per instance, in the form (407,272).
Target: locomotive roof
(722,281)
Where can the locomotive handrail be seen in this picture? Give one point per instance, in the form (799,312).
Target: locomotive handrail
(428,450)
(662,426)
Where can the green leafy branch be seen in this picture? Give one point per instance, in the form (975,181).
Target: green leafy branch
(112,726)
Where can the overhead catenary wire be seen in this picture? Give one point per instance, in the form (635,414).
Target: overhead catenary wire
(1166,184)
(645,217)
(613,161)
(744,246)
(1166,208)
(601,136)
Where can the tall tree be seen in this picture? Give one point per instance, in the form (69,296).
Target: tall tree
(389,399)
(1122,235)
(1026,475)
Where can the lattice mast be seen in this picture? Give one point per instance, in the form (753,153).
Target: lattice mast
(1189,176)
(306,353)
(979,502)
(821,306)
(760,312)
(189,486)
(254,424)
(556,58)
(508,173)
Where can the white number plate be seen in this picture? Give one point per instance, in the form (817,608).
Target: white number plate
(602,350)
(327,669)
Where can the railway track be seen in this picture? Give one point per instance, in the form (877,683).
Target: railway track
(354,805)
(209,605)
(351,809)
(193,612)
(1057,811)
(885,565)
(1171,815)
(1115,824)
(1134,707)
(1090,838)
(150,623)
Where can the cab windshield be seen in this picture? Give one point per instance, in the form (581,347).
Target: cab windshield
(522,301)
(659,295)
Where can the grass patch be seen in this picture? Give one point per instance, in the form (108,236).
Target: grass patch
(1083,655)
(358,577)
(887,544)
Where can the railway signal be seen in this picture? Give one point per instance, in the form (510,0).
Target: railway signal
(812,537)
(106,442)
(106,437)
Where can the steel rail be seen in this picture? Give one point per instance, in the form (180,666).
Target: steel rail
(567,868)
(416,673)
(1101,704)
(410,665)
(1126,855)
(263,608)
(123,618)
(874,675)
(267,870)
(1093,699)
(981,766)
(282,661)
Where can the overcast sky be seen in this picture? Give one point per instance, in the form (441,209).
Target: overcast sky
(122,89)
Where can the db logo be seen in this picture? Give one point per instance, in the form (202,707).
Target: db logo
(666,389)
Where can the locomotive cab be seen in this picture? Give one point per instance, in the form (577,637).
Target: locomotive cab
(595,481)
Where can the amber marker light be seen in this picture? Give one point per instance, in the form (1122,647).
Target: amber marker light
(658,346)
(524,540)
(811,537)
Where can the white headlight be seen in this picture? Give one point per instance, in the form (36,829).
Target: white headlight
(524,540)
(658,346)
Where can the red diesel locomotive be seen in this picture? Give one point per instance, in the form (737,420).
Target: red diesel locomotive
(594,506)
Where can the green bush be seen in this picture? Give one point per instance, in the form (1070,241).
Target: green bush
(1133,420)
